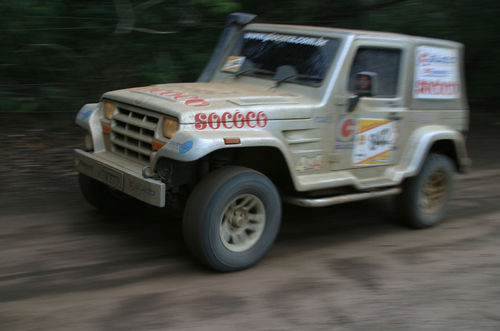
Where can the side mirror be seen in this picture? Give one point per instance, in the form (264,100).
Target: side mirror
(365,84)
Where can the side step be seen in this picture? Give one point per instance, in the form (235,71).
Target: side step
(328,201)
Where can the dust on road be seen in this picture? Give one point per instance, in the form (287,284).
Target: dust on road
(65,266)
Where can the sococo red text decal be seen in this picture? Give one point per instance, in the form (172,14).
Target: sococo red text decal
(187,99)
(229,120)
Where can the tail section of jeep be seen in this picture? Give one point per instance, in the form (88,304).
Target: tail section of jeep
(306,115)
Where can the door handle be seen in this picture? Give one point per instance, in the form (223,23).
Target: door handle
(352,103)
(394,117)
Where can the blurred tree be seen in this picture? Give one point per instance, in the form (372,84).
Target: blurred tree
(56,55)
(474,23)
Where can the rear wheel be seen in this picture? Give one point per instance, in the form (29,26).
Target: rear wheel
(232,218)
(425,198)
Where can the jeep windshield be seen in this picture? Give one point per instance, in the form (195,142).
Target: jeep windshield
(282,57)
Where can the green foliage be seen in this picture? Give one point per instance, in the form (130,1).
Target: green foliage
(470,22)
(57,55)
(218,6)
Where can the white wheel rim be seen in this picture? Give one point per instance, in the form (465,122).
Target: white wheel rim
(242,222)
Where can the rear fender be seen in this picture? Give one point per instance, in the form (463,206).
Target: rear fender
(420,145)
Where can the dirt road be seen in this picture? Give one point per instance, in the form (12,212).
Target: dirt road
(66,267)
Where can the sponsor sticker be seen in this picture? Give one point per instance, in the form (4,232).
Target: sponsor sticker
(436,73)
(85,115)
(140,188)
(306,163)
(346,131)
(291,39)
(323,119)
(182,147)
(233,63)
(229,120)
(374,142)
(109,176)
(173,95)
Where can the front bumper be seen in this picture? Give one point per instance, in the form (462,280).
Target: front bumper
(122,175)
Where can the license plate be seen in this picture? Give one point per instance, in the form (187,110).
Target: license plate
(111,177)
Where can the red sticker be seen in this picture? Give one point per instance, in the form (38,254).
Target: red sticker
(348,128)
(187,99)
(231,120)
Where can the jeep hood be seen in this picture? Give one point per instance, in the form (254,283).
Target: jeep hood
(185,100)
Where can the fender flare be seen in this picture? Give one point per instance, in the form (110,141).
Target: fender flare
(187,147)
(88,119)
(420,144)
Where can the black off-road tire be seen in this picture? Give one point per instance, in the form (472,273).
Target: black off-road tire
(104,198)
(414,205)
(206,215)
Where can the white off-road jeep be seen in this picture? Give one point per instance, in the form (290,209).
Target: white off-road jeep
(310,116)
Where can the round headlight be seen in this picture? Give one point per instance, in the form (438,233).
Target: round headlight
(170,127)
(109,110)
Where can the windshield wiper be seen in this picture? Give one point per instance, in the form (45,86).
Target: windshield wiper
(254,70)
(299,76)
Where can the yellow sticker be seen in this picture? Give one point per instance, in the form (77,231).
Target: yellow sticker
(374,142)
(233,63)
(369,124)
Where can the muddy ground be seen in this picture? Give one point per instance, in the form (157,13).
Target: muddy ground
(66,267)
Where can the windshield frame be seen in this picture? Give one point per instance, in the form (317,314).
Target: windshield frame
(303,37)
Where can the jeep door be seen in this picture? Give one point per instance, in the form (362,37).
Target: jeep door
(371,131)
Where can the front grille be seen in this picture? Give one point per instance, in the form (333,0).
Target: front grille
(132,133)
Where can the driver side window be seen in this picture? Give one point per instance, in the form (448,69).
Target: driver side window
(384,62)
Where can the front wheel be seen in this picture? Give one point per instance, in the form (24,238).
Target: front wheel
(425,198)
(232,218)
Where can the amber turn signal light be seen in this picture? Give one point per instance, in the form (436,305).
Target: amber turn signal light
(106,129)
(156,145)
(232,141)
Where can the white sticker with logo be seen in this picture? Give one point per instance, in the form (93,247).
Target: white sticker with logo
(233,63)
(306,163)
(436,73)
(374,142)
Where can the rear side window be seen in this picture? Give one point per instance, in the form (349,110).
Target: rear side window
(382,61)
